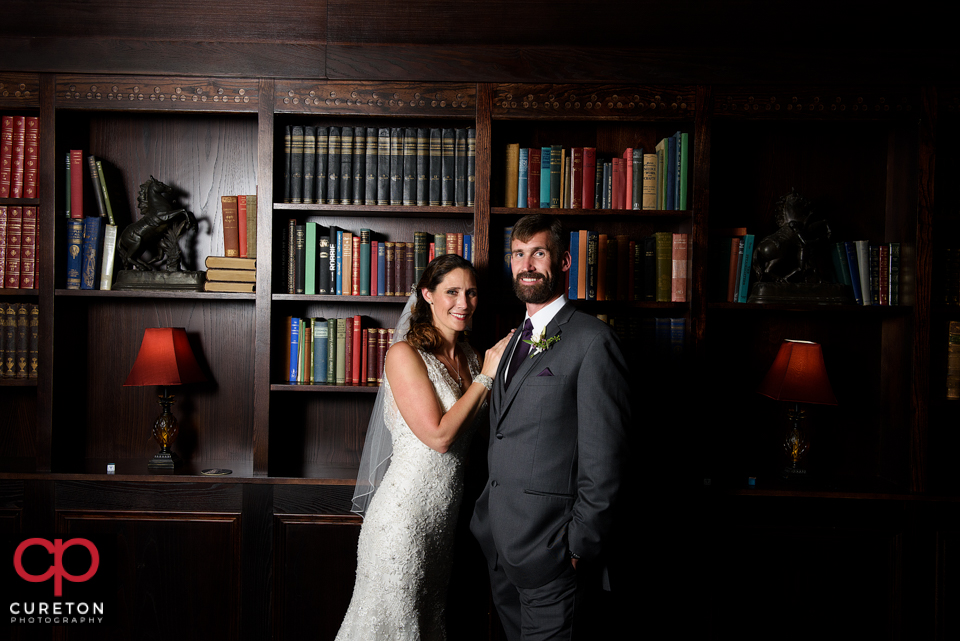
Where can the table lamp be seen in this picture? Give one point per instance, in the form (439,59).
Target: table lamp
(798,376)
(165,359)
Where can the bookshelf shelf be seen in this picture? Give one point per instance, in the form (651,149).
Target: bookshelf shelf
(332,298)
(379,211)
(33,293)
(18,382)
(191,295)
(613,214)
(323,388)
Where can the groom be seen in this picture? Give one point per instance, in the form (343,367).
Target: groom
(558,418)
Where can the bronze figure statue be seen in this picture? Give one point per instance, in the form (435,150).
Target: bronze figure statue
(793,263)
(149,248)
(160,227)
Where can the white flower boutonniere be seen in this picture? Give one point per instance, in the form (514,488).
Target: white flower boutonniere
(541,344)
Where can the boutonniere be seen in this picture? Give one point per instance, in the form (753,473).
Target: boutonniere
(541,344)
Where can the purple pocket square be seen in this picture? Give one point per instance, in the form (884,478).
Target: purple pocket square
(546,372)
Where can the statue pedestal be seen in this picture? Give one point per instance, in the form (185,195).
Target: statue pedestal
(806,293)
(136,280)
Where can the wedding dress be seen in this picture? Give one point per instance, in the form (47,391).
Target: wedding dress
(406,542)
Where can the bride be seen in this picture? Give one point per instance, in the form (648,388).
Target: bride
(433,390)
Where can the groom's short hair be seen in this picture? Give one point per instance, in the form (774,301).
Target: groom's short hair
(532,224)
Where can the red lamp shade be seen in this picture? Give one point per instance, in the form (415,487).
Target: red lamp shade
(165,358)
(798,375)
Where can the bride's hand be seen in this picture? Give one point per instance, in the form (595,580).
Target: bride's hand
(492,358)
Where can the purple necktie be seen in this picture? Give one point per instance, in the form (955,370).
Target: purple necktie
(521,351)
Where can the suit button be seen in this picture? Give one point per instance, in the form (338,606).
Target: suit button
(494,484)
(499,435)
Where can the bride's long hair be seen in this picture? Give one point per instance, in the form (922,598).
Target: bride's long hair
(422,334)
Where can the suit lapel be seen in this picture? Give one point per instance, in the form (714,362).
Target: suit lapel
(530,363)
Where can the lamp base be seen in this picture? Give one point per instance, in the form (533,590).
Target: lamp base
(165,461)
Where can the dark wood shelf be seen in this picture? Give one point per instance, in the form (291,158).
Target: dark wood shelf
(20,292)
(633,214)
(18,382)
(885,310)
(324,387)
(332,298)
(374,211)
(97,293)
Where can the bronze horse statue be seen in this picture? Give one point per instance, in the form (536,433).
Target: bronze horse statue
(160,227)
(791,253)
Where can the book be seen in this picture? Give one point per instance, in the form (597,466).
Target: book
(76,183)
(333,166)
(746,268)
(359,165)
(953,361)
(345,176)
(109,256)
(9,327)
(423,167)
(533,177)
(545,177)
(91,256)
(74,252)
(232,275)
(28,248)
(6,155)
(230,222)
(680,256)
(396,166)
(447,166)
(435,167)
(588,179)
(409,191)
(232,262)
(372,164)
(296,165)
(460,167)
(471,166)
(228,286)
(664,265)
(522,176)
(556,163)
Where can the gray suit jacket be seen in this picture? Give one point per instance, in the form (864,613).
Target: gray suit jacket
(557,439)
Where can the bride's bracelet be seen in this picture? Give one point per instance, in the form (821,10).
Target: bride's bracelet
(484,380)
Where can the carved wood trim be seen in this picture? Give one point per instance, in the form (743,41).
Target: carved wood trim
(156,93)
(377,98)
(19,90)
(816,103)
(585,102)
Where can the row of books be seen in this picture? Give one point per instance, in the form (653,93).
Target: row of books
(871,270)
(953,361)
(18,247)
(91,233)
(19,339)
(19,147)
(239,222)
(334,261)
(380,166)
(558,178)
(337,351)
(649,337)
(605,267)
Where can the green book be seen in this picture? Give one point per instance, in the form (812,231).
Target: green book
(421,251)
(310,260)
(364,285)
(341,372)
(332,327)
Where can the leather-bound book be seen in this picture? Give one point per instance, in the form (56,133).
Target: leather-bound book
(471,167)
(309,163)
(447,167)
(460,168)
(333,166)
(296,166)
(423,167)
(383,166)
(396,166)
(371,158)
(436,144)
(409,190)
(346,166)
(359,164)
(322,155)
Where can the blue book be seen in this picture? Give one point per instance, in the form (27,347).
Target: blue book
(339,263)
(468,247)
(545,177)
(574,272)
(854,266)
(746,268)
(92,252)
(74,252)
(294,349)
(381,269)
(522,178)
(319,350)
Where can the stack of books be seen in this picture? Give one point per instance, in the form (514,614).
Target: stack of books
(230,274)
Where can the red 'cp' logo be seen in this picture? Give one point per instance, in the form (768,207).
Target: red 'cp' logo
(56,570)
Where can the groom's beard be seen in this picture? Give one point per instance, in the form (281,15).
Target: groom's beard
(541,292)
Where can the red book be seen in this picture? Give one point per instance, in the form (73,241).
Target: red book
(31,159)
(3,243)
(231,223)
(19,151)
(348,350)
(374,263)
(12,263)
(619,194)
(679,271)
(356,352)
(589,177)
(431,254)
(6,155)
(533,178)
(364,337)
(76,183)
(460,244)
(242,225)
(576,178)
(28,249)
(371,352)
(628,178)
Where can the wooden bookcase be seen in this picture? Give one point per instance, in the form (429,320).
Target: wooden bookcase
(865,156)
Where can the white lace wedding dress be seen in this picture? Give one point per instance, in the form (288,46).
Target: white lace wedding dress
(406,542)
